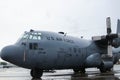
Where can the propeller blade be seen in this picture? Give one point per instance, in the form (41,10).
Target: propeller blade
(98,37)
(118,26)
(118,35)
(108,24)
(109,50)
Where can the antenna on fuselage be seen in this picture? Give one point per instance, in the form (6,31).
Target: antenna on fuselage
(62,33)
(81,37)
(31,30)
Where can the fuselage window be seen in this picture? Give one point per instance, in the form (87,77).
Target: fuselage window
(30,46)
(33,46)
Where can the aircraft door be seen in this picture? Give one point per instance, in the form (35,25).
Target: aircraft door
(33,52)
(37,54)
(33,48)
(60,58)
(26,51)
(30,50)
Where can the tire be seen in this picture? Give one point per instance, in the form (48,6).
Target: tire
(82,71)
(76,70)
(103,70)
(79,70)
(36,73)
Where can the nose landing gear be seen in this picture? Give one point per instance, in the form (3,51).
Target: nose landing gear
(36,73)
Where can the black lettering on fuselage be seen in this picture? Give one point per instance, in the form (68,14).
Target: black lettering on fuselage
(59,39)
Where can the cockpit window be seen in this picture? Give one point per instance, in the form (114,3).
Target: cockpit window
(32,36)
(25,36)
(35,36)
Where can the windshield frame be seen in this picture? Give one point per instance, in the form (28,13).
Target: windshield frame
(26,36)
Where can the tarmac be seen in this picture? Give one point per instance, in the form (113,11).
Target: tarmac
(91,74)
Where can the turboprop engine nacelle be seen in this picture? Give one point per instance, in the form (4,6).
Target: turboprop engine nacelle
(107,64)
(94,60)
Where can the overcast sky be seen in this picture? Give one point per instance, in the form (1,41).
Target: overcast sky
(76,17)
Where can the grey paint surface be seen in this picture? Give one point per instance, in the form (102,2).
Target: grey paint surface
(55,51)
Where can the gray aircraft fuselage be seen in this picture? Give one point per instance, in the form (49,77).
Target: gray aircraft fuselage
(43,50)
(48,50)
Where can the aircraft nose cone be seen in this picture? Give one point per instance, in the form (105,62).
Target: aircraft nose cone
(4,53)
(8,52)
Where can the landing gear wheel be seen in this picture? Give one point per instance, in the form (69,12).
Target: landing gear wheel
(79,70)
(103,70)
(109,69)
(36,73)
(76,70)
(82,71)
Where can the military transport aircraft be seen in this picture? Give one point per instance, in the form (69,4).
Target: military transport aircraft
(43,50)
